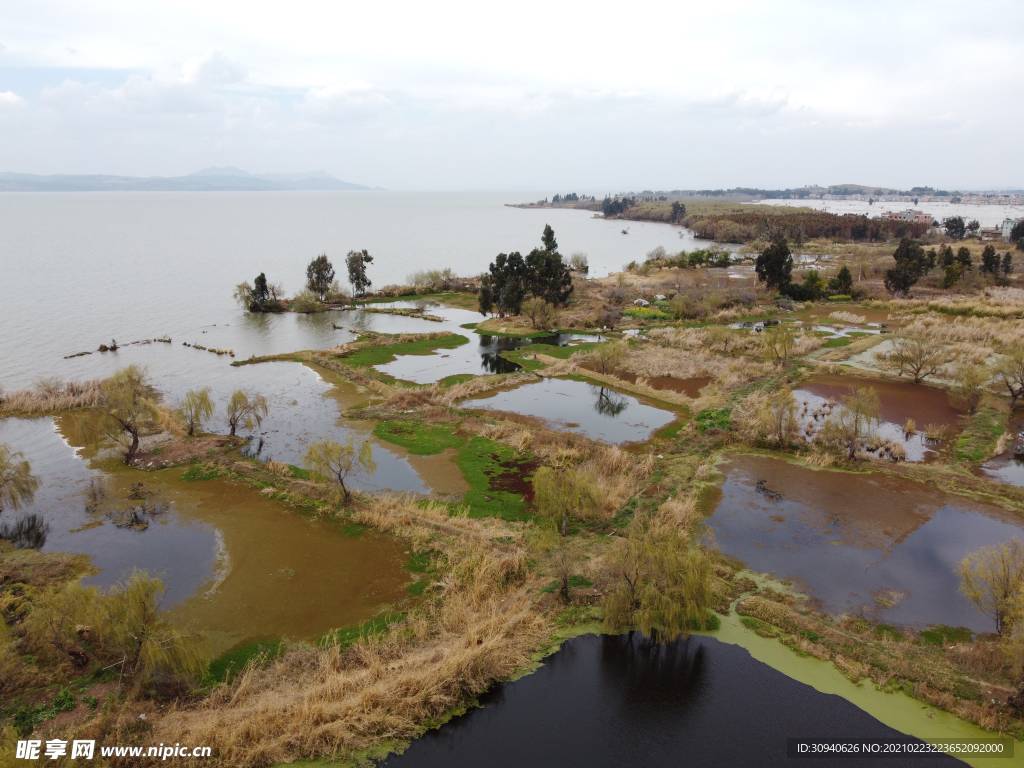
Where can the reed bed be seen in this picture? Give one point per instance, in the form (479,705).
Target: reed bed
(50,395)
(385,689)
(848,317)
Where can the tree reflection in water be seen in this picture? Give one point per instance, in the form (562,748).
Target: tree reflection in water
(27,532)
(609,402)
(670,677)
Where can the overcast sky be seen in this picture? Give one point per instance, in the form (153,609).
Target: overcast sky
(529,94)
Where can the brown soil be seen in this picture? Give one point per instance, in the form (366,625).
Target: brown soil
(516,478)
(183,451)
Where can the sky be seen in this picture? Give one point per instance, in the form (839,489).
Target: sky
(590,97)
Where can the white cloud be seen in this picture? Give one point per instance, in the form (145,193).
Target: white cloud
(10,99)
(214,68)
(352,103)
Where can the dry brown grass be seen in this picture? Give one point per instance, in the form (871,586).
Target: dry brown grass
(848,317)
(331,702)
(49,395)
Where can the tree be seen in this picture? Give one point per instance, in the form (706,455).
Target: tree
(195,408)
(578,263)
(260,293)
(1009,372)
(955,227)
(968,386)
(963,258)
(17,483)
(946,256)
(951,275)
(990,260)
(659,585)
(541,313)
(778,342)
(842,283)
(246,409)
(548,238)
(1008,263)
(356,262)
(678,212)
(774,266)
(919,356)
(320,275)
(341,462)
(128,407)
(972,228)
(856,420)
(506,285)
(243,296)
(777,416)
(910,265)
(134,625)
(992,579)
(1017,234)
(561,494)
(609,355)
(485,298)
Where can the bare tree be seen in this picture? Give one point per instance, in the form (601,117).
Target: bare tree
(856,419)
(918,356)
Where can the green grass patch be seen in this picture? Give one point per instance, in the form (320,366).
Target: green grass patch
(28,717)
(417,437)
(417,588)
(386,353)
(499,478)
(646,313)
(438,297)
(353,530)
(978,441)
(197,472)
(458,378)
(883,631)
(940,634)
(232,661)
(839,341)
(671,431)
(299,472)
(468,326)
(346,636)
(839,297)
(418,562)
(578,582)
(719,419)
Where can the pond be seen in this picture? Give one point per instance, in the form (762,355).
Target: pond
(690,387)
(865,543)
(899,402)
(234,563)
(623,701)
(1008,467)
(598,412)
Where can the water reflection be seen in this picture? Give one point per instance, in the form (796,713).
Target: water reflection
(26,532)
(876,545)
(624,701)
(600,413)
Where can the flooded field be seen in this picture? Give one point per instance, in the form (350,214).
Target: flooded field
(870,544)
(1008,467)
(233,562)
(689,387)
(620,700)
(598,412)
(900,403)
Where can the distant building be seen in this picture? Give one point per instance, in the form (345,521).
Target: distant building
(1008,225)
(916,217)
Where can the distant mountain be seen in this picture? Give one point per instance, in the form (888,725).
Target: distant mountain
(226,179)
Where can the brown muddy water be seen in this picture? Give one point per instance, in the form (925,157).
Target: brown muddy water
(899,402)
(689,387)
(234,563)
(861,543)
(598,412)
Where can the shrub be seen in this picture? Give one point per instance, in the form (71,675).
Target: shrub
(306,302)
(646,313)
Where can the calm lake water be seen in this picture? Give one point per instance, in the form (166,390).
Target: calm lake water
(82,268)
(614,701)
(858,543)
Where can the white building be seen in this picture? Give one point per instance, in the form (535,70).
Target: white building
(1008,224)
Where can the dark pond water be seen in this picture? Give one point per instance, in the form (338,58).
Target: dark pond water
(1008,467)
(600,413)
(871,544)
(623,701)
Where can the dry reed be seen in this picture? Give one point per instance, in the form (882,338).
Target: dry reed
(50,395)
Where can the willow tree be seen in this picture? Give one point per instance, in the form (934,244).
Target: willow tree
(993,578)
(918,356)
(609,355)
(1010,373)
(660,585)
(968,386)
(148,644)
(195,408)
(128,407)
(561,494)
(17,483)
(246,409)
(778,342)
(341,462)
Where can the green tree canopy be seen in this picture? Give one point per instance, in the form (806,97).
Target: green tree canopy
(774,265)
(17,483)
(356,262)
(320,275)
(955,227)
(910,265)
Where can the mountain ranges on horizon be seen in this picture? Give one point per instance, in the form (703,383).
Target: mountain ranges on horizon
(225,179)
